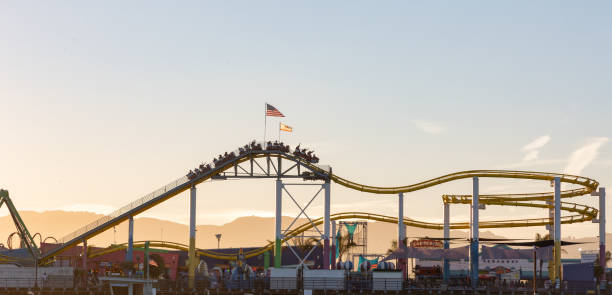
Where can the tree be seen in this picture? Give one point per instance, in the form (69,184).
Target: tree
(306,245)
(545,237)
(393,246)
(344,243)
(160,269)
(597,270)
(538,238)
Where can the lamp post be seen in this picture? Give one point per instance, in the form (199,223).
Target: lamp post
(218,236)
(36,272)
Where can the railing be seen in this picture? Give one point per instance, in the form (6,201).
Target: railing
(42,283)
(124,209)
(361,285)
(149,197)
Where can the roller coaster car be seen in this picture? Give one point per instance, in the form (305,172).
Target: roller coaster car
(224,159)
(306,155)
(307,175)
(255,146)
(277,146)
(191,175)
(204,168)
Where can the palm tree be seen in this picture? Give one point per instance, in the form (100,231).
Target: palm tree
(394,245)
(344,243)
(306,244)
(160,267)
(538,238)
(545,237)
(597,270)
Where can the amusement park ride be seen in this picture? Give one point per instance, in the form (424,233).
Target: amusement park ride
(276,161)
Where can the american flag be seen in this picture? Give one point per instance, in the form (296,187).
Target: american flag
(272,111)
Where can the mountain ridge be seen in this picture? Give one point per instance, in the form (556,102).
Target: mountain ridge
(244,231)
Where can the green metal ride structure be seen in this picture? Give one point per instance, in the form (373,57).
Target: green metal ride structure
(25,235)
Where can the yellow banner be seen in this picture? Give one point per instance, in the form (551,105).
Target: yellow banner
(284,127)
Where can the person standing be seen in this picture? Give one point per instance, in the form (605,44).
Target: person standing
(44,280)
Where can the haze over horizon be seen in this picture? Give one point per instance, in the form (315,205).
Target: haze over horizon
(241,232)
(103,103)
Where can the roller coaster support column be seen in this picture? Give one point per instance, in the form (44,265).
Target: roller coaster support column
(333,247)
(401,232)
(326,252)
(146,259)
(474,229)
(278,233)
(557,251)
(192,236)
(130,249)
(446,239)
(401,227)
(84,254)
(602,230)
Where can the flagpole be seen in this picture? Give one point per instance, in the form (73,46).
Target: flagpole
(279,126)
(265,123)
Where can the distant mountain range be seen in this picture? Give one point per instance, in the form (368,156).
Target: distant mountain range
(248,231)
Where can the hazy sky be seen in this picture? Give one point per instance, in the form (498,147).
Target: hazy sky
(102,103)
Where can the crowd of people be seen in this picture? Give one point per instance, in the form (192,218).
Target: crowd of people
(277,146)
(252,146)
(306,154)
(247,148)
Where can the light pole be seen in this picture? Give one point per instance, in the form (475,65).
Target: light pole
(218,236)
(36,272)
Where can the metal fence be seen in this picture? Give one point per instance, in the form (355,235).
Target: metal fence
(42,283)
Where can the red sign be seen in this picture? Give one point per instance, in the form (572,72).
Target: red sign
(426,243)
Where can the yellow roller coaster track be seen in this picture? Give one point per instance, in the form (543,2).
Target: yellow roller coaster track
(307,226)
(581,213)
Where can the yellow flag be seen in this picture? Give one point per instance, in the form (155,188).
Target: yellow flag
(284,127)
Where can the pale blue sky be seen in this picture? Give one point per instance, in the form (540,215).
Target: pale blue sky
(104,102)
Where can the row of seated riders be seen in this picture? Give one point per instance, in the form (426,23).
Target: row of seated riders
(302,153)
(253,146)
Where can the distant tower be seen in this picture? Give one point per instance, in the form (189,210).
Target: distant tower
(218,236)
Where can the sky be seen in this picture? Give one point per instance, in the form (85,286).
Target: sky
(102,103)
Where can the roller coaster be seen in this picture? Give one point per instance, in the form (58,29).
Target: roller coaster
(338,216)
(306,167)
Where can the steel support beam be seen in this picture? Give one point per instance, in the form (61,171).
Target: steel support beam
(129,256)
(446,267)
(602,231)
(266,260)
(401,232)
(557,237)
(279,215)
(146,259)
(474,247)
(84,254)
(192,236)
(326,252)
(333,247)
(401,227)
